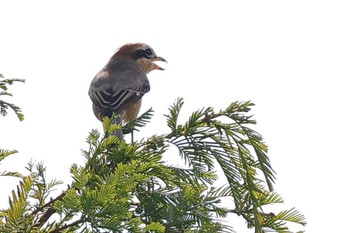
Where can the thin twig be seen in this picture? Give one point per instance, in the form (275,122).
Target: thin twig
(57,230)
(50,211)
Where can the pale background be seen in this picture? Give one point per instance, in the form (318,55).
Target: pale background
(291,58)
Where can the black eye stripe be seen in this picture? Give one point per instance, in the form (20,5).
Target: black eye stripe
(146,53)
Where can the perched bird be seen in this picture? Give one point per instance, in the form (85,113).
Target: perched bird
(118,88)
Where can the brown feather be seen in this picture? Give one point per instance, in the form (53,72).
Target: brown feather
(119,86)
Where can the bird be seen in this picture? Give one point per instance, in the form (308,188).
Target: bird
(117,89)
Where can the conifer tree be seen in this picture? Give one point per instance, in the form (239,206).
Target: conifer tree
(128,187)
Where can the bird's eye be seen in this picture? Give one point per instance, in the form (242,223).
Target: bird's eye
(148,53)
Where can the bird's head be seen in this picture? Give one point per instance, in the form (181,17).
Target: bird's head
(143,54)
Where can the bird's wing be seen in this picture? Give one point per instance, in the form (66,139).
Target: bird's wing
(109,101)
(114,89)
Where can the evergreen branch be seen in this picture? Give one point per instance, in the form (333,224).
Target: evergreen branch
(139,122)
(232,155)
(278,221)
(174,114)
(129,187)
(4,106)
(12,174)
(66,226)
(6,153)
(4,82)
(253,138)
(49,209)
(3,155)
(15,215)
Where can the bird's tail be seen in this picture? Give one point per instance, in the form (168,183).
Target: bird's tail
(119,132)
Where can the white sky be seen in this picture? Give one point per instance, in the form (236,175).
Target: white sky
(291,58)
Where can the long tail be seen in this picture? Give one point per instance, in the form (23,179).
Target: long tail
(119,132)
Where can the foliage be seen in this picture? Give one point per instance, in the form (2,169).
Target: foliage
(3,111)
(4,106)
(3,155)
(130,188)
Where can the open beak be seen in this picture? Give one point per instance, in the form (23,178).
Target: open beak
(155,66)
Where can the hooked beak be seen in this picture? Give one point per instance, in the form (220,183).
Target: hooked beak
(155,66)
